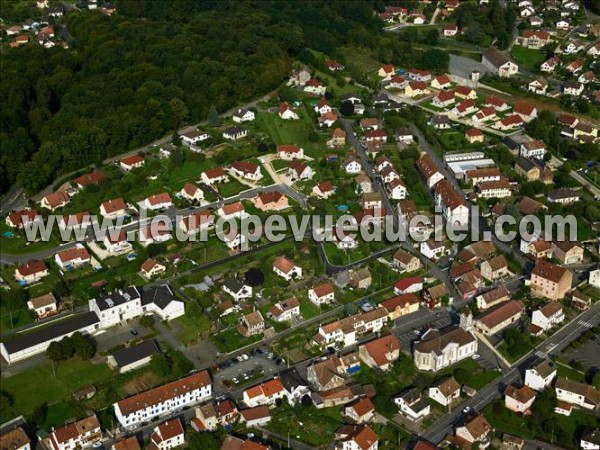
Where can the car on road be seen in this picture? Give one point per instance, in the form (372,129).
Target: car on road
(244,357)
(236,380)
(476,356)
(134,332)
(467,409)
(239,358)
(418,332)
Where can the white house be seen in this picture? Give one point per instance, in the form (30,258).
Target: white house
(498,63)
(432,249)
(285,310)
(157,201)
(357,437)
(79,434)
(444,391)
(165,400)
(72,257)
(243,115)
(429,170)
(55,200)
(266,393)
(519,399)
(413,404)
(287,269)
(540,375)
(590,440)
(351,165)
(322,294)
(116,243)
(246,170)
(112,209)
(577,394)
(191,192)
(290,152)
(237,289)
(234,133)
(168,435)
(194,136)
(454,207)
(117,307)
(131,162)
(286,112)
(548,316)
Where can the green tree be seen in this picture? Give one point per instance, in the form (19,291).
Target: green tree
(432,37)
(179,112)
(83,345)
(161,365)
(347,108)
(39,414)
(596,380)
(147,321)
(213,117)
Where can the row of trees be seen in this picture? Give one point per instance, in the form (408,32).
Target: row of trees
(76,345)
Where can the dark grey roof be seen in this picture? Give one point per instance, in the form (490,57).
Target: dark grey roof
(592,436)
(380,98)
(415,400)
(439,119)
(525,163)
(562,193)
(135,353)
(291,379)
(161,296)
(49,332)
(240,112)
(234,130)
(119,297)
(349,96)
(572,84)
(234,284)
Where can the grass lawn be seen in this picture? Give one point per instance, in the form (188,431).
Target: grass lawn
(14,320)
(315,427)
(453,141)
(193,327)
(231,340)
(279,164)
(564,434)
(18,244)
(28,392)
(231,188)
(564,370)
(295,132)
(527,57)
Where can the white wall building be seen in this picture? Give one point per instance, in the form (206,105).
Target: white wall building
(164,400)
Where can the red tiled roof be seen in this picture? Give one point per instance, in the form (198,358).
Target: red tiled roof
(163,393)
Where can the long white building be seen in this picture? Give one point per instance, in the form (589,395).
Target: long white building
(24,345)
(164,400)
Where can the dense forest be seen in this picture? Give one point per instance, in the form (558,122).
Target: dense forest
(128,79)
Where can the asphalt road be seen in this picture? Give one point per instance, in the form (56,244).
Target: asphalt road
(171,213)
(554,344)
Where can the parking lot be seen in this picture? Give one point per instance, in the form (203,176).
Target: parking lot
(588,354)
(242,371)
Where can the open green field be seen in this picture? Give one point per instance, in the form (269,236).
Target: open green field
(35,386)
(564,434)
(194,327)
(17,244)
(231,188)
(527,57)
